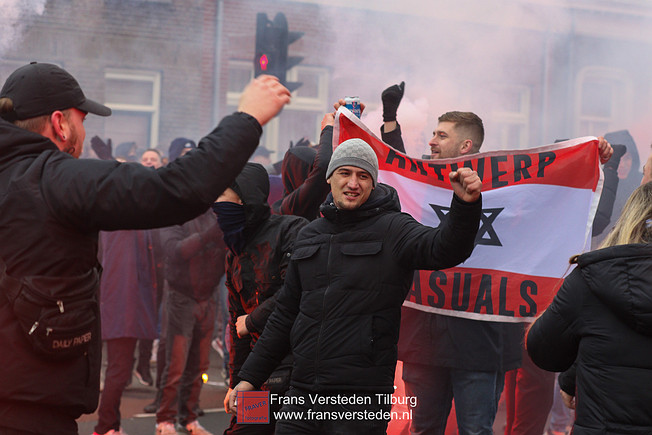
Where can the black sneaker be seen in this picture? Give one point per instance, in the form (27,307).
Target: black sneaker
(151,408)
(144,378)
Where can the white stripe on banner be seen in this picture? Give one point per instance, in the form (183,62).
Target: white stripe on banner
(530,228)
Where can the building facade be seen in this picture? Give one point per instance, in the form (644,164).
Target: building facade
(534,70)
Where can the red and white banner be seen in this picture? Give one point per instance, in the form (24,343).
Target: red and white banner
(537,210)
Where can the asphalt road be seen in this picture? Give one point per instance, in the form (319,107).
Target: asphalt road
(136,396)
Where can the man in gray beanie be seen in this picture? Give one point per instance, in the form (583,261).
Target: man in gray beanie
(354,152)
(340,308)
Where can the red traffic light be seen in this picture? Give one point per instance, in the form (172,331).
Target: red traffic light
(263,62)
(271,54)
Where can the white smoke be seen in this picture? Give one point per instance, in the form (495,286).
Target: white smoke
(413,116)
(474,55)
(452,54)
(15,15)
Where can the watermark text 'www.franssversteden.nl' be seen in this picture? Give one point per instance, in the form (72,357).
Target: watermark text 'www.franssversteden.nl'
(254,407)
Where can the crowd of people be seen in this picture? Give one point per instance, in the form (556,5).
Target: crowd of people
(315,280)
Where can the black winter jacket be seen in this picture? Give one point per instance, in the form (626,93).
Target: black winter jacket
(53,207)
(195,252)
(340,308)
(602,318)
(304,178)
(255,275)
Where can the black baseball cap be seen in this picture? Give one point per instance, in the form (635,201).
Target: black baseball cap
(41,88)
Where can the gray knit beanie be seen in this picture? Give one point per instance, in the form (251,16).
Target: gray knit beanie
(354,152)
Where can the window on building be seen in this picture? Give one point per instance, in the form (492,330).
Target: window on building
(300,119)
(601,100)
(511,117)
(134,97)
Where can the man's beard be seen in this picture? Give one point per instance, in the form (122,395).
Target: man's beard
(73,139)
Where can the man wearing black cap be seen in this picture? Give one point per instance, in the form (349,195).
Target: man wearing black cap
(32,98)
(53,207)
(340,306)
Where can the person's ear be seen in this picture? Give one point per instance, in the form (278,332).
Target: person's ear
(59,125)
(466,147)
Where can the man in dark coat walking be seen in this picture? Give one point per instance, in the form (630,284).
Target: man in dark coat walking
(339,310)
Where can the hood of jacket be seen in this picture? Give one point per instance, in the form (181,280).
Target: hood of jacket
(252,185)
(17,141)
(297,164)
(621,277)
(383,198)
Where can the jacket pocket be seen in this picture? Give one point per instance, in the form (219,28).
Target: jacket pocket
(304,252)
(360,267)
(303,336)
(366,336)
(312,272)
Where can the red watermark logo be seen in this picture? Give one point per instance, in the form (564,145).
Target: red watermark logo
(253,407)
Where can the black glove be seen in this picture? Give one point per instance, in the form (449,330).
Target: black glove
(391,99)
(103,150)
(614,161)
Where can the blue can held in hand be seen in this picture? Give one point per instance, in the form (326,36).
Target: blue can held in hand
(353,104)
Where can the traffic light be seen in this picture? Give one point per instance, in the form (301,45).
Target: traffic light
(272,41)
(266,45)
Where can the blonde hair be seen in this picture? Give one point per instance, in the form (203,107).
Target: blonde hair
(635,222)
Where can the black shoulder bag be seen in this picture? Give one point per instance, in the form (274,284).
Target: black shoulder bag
(57,314)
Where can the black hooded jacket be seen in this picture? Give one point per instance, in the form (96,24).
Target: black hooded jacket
(339,310)
(304,178)
(195,252)
(296,167)
(53,207)
(255,275)
(614,190)
(602,319)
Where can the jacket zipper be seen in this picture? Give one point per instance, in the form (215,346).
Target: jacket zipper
(323,307)
(35,294)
